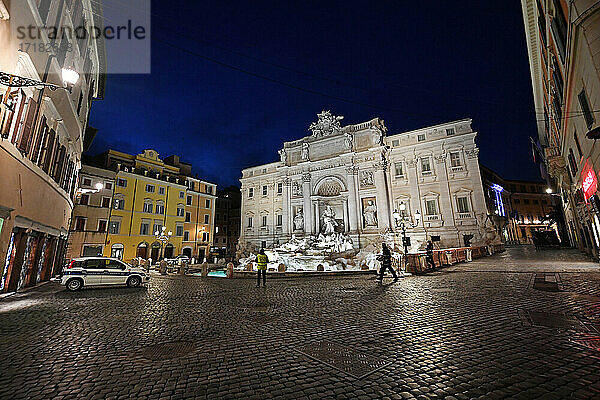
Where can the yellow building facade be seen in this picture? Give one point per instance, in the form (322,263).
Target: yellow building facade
(148,195)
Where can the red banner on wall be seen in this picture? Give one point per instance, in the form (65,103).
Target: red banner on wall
(590,181)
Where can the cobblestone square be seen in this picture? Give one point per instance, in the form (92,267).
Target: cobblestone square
(475,330)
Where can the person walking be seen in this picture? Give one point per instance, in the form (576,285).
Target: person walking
(386,263)
(262,260)
(429,256)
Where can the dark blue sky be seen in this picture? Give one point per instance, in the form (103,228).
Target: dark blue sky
(413,65)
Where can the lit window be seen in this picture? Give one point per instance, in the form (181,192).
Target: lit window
(148,206)
(425,164)
(398,171)
(114,227)
(463,204)
(160,208)
(144,228)
(119,204)
(430,207)
(455,159)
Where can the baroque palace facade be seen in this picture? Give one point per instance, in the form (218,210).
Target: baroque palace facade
(358,176)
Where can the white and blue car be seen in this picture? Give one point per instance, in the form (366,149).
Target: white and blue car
(101,271)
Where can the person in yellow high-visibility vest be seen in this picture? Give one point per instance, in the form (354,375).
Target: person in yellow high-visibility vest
(262,260)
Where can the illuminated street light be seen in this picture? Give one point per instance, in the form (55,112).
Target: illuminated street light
(402,222)
(70,76)
(549,191)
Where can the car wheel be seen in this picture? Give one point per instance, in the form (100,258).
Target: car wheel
(74,284)
(134,281)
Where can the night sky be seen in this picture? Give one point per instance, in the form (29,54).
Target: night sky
(278,64)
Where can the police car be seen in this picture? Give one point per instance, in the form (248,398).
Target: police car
(101,271)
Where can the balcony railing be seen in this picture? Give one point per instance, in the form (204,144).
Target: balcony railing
(432,217)
(465,215)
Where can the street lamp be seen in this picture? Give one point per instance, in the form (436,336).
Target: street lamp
(402,223)
(163,237)
(549,191)
(70,78)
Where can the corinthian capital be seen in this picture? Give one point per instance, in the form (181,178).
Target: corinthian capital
(472,153)
(352,170)
(380,166)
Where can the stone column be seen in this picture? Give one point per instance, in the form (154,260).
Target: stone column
(352,203)
(317,218)
(413,183)
(478,200)
(383,209)
(345,206)
(286,213)
(446,200)
(306,208)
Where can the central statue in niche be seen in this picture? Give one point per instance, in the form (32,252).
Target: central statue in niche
(329,222)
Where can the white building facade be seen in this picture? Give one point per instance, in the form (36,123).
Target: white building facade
(353,179)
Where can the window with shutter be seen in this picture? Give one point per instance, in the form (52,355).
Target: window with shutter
(15,131)
(24,142)
(41,135)
(586,109)
(60,165)
(48,150)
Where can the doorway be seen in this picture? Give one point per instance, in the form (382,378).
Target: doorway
(155,252)
(169,249)
(142,250)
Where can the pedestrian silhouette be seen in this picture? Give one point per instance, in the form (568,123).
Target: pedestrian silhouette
(262,260)
(386,263)
(429,256)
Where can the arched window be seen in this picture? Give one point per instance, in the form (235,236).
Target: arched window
(148,205)
(160,207)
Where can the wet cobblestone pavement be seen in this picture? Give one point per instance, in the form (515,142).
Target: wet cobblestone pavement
(477,330)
